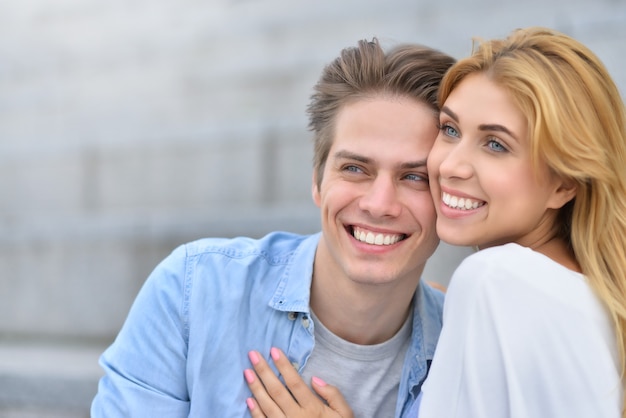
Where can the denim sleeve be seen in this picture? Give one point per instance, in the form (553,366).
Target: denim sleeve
(145,368)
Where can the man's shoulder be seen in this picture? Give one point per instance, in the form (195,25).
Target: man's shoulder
(275,246)
(427,316)
(203,263)
(433,294)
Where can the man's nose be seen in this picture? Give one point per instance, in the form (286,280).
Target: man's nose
(381,198)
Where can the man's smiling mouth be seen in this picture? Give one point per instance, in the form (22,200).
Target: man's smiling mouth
(376,238)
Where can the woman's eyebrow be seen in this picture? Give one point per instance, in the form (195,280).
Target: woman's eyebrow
(496,127)
(450,113)
(484,127)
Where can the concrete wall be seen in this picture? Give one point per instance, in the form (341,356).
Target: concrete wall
(129,127)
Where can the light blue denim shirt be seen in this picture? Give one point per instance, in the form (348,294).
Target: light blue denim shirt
(185,343)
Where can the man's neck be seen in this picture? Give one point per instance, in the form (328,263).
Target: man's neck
(361,314)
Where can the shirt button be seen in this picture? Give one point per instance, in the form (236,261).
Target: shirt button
(292,316)
(295,365)
(305,322)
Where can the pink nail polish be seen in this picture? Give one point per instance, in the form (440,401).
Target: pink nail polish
(254,357)
(249,375)
(274,353)
(250,403)
(318,381)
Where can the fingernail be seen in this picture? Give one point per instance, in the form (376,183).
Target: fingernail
(249,375)
(250,403)
(254,357)
(318,381)
(274,353)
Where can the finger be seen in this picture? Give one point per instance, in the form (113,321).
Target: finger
(298,388)
(274,393)
(265,406)
(333,397)
(254,408)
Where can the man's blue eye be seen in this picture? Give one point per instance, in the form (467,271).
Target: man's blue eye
(417,177)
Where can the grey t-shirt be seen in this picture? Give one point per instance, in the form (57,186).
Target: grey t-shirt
(367,375)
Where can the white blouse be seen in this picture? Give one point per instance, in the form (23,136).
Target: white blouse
(523,337)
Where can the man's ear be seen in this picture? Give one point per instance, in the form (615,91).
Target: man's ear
(315,190)
(564,192)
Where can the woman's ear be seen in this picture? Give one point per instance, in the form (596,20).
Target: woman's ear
(564,192)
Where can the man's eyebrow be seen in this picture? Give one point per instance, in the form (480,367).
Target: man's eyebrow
(413,164)
(347,155)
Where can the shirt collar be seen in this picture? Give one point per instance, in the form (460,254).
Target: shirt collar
(294,288)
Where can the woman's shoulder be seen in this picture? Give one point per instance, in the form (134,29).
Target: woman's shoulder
(497,263)
(507,261)
(500,253)
(512,272)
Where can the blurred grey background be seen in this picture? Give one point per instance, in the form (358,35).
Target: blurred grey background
(130,127)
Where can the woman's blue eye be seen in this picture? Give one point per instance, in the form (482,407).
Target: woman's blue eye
(448,130)
(496,146)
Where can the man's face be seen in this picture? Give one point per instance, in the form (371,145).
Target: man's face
(378,218)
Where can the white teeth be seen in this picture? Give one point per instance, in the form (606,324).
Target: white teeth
(376,239)
(462,203)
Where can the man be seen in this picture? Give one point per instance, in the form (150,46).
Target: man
(342,302)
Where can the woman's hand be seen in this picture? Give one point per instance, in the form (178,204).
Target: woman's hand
(273,400)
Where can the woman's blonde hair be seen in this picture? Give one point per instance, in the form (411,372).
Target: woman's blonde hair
(577,122)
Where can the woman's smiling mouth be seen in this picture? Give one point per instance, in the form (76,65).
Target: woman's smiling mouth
(462,203)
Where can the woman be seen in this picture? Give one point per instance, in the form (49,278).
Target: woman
(530,167)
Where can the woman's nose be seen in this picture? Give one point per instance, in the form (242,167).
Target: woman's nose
(456,162)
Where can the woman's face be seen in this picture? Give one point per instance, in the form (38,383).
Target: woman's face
(481,177)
